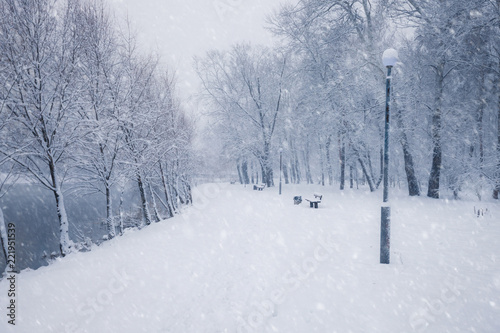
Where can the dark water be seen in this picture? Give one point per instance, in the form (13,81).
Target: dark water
(32,209)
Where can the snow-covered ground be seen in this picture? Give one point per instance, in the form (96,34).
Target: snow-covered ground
(249,261)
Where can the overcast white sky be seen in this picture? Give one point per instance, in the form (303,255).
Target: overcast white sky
(181,29)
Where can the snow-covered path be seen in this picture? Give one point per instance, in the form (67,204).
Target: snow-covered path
(249,261)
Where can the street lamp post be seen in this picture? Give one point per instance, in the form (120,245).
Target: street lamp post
(281,165)
(389,59)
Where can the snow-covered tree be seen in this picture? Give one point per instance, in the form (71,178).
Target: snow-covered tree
(246,88)
(82,108)
(98,154)
(41,52)
(340,82)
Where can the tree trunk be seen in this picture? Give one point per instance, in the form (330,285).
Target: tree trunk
(480,132)
(239,172)
(298,178)
(155,207)
(285,173)
(413,187)
(270,175)
(3,236)
(109,214)
(252,173)
(496,191)
(329,160)
(342,163)
(170,209)
(357,175)
(322,164)
(144,202)
(263,173)
(351,179)
(368,177)
(244,172)
(266,167)
(65,244)
(379,181)
(179,195)
(293,168)
(433,188)
(120,210)
(308,167)
(189,192)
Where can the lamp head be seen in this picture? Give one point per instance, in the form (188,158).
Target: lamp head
(390,57)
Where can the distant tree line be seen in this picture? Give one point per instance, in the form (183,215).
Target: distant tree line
(319,95)
(82,109)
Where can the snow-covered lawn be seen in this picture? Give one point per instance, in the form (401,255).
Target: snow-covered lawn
(250,261)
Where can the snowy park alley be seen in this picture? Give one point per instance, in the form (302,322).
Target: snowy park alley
(250,261)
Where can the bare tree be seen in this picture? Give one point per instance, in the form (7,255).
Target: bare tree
(246,89)
(441,26)
(98,156)
(42,51)
(344,77)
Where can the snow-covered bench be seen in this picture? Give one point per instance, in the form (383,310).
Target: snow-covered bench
(313,203)
(259,187)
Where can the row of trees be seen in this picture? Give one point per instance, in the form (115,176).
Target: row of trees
(320,94)
(82,109)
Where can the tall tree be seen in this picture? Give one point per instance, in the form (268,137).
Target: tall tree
(99,152)
(246,89)
(495,51)
(322,33)
(42,51)
(441,28)
(136,78)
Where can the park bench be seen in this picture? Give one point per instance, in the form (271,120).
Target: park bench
(259,187)
(313,203)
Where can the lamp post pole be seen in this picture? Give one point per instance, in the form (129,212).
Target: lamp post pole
(389,59)
(281,165)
